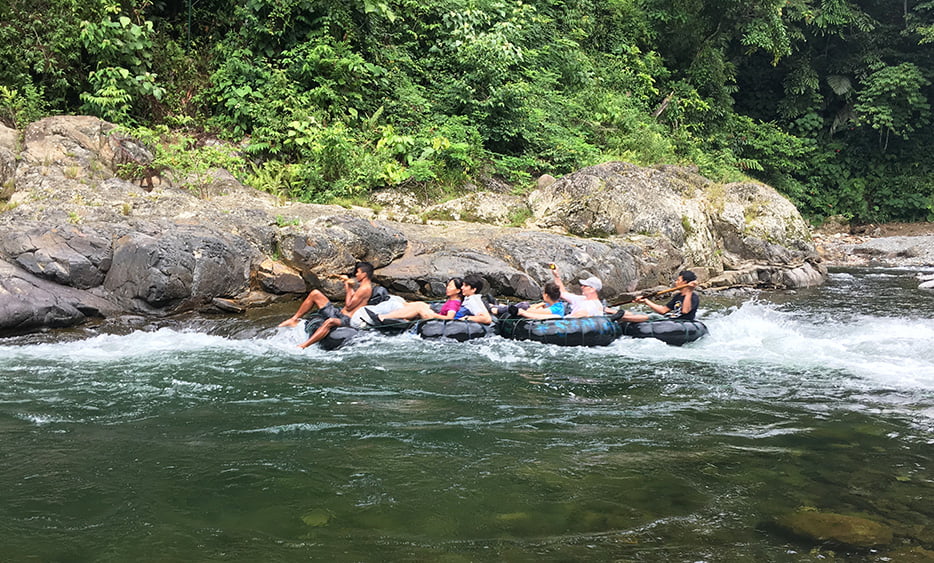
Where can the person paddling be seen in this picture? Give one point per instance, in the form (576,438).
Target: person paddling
(682,306)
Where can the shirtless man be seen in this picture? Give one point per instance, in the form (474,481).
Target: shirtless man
(354,300)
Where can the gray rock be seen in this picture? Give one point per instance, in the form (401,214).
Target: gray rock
(28,303)
(613,261)
(544,181)
(618,198)
(9,139)
(7,173)
(901,250)
(332,244)
(278,278)
(69,256)
(78,142)
(714,227)
(760,275)
(481,207)
(425,275)
(181,268)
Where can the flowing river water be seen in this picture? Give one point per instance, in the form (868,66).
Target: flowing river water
(217,439)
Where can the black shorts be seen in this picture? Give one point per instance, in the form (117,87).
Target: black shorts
(332,312)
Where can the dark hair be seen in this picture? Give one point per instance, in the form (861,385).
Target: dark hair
(458,283)
(474,281)
(366,267)
(552,291)
(688,275)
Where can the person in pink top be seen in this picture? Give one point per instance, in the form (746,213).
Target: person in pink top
(421,310)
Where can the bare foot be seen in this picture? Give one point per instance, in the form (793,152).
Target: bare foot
(289,322)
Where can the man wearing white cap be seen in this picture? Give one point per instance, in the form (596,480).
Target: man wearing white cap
(586,305)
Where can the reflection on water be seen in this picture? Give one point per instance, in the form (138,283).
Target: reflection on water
(220,440)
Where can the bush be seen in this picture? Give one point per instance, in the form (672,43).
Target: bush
(19,108)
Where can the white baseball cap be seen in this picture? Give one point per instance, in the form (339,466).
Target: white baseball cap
(592,281)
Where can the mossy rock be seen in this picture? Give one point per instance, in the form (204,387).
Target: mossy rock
(846,531)
(317,518)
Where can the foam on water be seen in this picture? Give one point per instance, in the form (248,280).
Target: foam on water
(113,348)
(877,352)
(884,352)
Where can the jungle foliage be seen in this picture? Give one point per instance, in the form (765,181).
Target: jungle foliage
(827,100)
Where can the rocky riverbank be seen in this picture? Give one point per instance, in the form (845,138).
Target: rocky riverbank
(884,245)
(77,241)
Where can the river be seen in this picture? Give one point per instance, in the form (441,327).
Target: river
(217,439)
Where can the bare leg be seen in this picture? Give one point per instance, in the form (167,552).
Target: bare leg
(537,314)
(323,330)
(629,316)
(315,298)
(409,311)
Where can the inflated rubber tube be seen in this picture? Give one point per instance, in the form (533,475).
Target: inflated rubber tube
(335,339)
(339,337)
(675,333)
(454,329)
(569,331)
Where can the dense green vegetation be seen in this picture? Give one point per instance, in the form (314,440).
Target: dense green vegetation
(827,100)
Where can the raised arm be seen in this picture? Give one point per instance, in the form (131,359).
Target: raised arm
(358,297)
(558,282)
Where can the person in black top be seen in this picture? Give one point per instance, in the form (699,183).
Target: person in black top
(682,306)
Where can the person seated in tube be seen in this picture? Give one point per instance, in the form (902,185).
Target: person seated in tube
(452,308)
(586,305)
(476,310)
(682,306)
(551,307)
(356,297)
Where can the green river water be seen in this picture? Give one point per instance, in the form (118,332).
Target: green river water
(216,439)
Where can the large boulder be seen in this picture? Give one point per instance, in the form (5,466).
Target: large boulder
(838,529)
(900,250)
(9,138)
(423,276)
(618,198)
(277,278)
(514,262)
(331,244)
(481,207)
(69,255)
(28,303)
(180,268)
(714,226)
(616,263)
(81,144)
